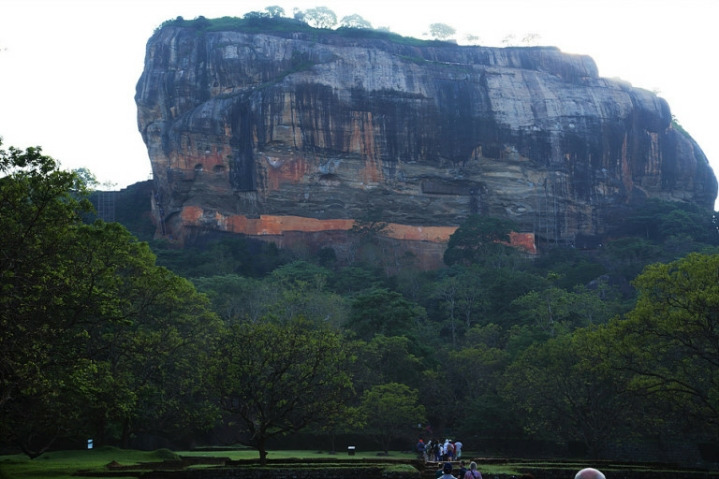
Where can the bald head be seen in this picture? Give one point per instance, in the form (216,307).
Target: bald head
(589,473)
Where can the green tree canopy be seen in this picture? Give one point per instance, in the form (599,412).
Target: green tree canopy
(40,212)
(319,17)
(354,21)
(441,31)
(382,311)
(301,273)
(479,239)
(548,310)
(657,220)
(475,376)
(95,337)
(561,388)
(670,340)
(385,360)
(149,347)
(461,297)
(393,411)
(275,379)
(237,298)
(275,11)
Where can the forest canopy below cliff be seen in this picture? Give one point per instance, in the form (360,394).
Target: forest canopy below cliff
(569,353)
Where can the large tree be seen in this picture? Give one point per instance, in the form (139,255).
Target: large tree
(150,342)
(237,298)
(441,31)
(92,333)
(387,359)
(382,311)
(548,310)
(480,240)
(461,295)
(474,375)
(275,379)
(318,17)
(40,211)
(564,392)
(393,412)
(670,340)
(354,21)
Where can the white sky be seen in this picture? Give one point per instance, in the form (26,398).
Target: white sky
(68,68)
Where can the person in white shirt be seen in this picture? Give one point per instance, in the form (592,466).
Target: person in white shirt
(458,449)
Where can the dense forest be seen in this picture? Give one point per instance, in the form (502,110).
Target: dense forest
(139,343)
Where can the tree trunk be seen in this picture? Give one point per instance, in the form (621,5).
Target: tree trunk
(32,452)
(125,440)
(262,449)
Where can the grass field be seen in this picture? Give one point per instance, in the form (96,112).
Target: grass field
(64,464)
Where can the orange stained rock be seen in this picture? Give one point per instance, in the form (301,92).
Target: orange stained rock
(435,234)
(626,167)
(286,169)
(191,214)
(278,225)
(525,241)
(362,141)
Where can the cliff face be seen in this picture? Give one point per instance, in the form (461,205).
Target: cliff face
(264,134)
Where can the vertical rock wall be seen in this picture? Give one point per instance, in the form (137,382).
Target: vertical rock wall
(318,130)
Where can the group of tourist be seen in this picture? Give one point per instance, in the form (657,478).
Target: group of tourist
(446,452)
(437,451)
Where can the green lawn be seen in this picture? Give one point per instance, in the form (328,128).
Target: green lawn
(63,464)
(245,453)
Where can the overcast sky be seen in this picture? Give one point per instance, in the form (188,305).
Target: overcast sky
(68,68)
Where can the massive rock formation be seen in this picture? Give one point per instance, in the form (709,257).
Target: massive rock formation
(279,133)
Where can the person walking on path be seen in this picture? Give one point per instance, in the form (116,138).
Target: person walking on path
(437,450)
(458,449)
(422,450)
